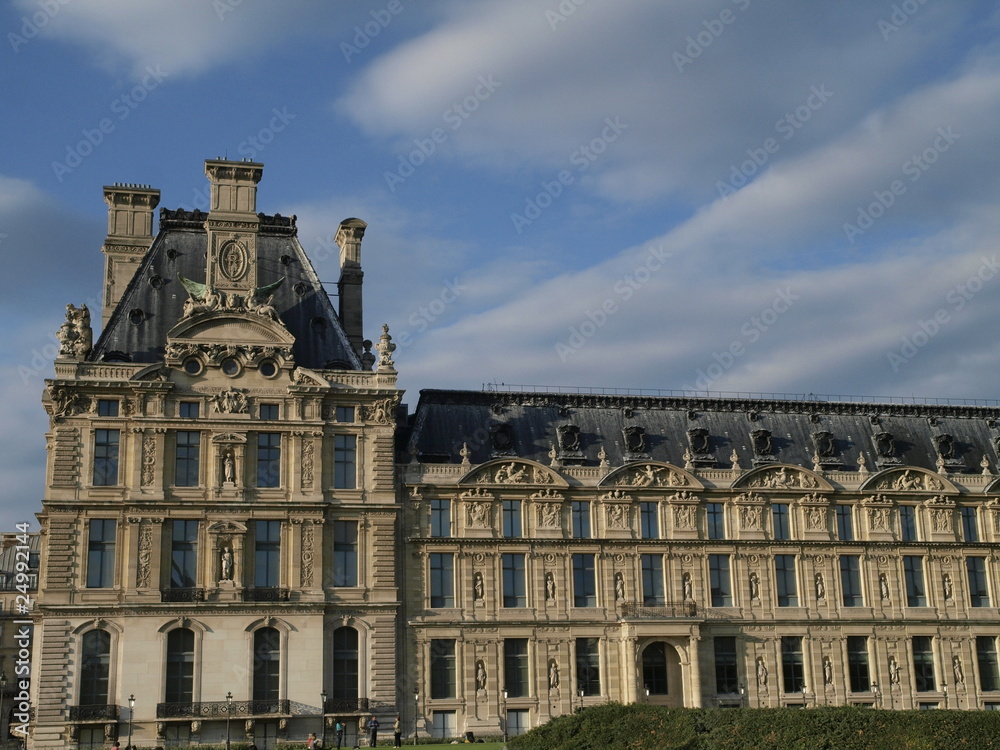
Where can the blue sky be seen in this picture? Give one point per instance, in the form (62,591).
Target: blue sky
(727,195)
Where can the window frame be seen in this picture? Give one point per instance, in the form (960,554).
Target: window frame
(514,593)
(782,576)
(441,572)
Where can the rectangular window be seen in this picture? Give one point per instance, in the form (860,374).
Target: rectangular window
(268,459)
(791,664)
(440,517)
(845,523)
(515,667)
(184,555)
(443,668)
(913,571)
(106,457)
(653,594)
(588,666)
(444,724)
(779,518)
(189,410)
(345,553)
(267,554)
(101,554)
(720,581)
(584,581)
(107,407)
(923,663)
(857,663)
(511,512)
(580,511)
(979,592)
(269,412)
(986,653)
(784,579)
(345,414)
(970,529)
(727,680)
(188,454)
(908,523)
(345,458)
(716,521)
(649,520)
(850,581)
(514,593)
(442,579)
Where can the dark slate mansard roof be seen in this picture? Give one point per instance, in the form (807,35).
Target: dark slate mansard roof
(154,300)
(444,420)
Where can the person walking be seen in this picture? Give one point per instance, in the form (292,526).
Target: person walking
(397,733)
(373,732)
(311,742)
(338,729)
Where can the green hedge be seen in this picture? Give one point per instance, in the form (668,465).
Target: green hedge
(639,726)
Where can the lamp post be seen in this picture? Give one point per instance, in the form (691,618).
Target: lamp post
(503,718)
(416,710)
(877,695)
(3,687)
(645,686)
(944,688)
(131,711)
(322,713)
(743,693)
(229,710)
(805,704)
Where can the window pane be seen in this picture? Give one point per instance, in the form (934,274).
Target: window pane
(345,553)
(189,410)
(845,523)
(268,411)
(649,521)
(267,554)
(269,459)
(779,516)
(857,663)
(440,517)
(106,458)
(101,554)
(653,594)
(515,661)
(913,571)
(584,581)
(654,668)
(180,666)
(184,554)
(442,668)
(442,579)
(979,593)
(95,666)
(923,663)
(580,510)
(970,529)
(188,449)
(345,413)
(716,521)
(791,664)
(784,575)
(345,664)
(850,580)
(266,664)
(588,666)
(512,519)
(107,408)
(726,673)
(514,593)
(908,523)
(345,472)
(720,581)
(986,652)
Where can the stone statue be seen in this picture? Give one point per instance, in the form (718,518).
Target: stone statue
(553,674)
(76,338)
(761,672)
(477,587)
(754,585)
(687,587)
(229,467)
(227,564)
(385,348)
(827,671)
(883,586)
(948,591)
(820,586)
(959,671)
(550,587)
(619,587)
(480,675)
(893,671)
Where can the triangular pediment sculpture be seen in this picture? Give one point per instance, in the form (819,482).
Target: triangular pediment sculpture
(909,479)
(783,477)
(514,471)
(650,474)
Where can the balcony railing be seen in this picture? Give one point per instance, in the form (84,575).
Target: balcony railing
(637,611)
(220,709)
(265,595)
(182,595)
(345,706)
(93,713)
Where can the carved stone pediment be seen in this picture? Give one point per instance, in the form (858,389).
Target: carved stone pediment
(783,477)
(909,479)
(225,327)
(516,471)
(306,377)
(650,474)
(227,527)
(230,438)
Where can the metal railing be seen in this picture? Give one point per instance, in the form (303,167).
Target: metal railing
(220,709)
(182,595)
(345,706)
(93,713)
(265,595)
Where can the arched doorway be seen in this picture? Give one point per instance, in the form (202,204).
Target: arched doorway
(661,674)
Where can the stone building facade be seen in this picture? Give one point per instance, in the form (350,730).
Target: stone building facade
(220,519)
(244,534)
(569,549)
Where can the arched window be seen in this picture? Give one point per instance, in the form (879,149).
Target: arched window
(180,666)
(266,664)
(345,663)
(654,668)
(95,669)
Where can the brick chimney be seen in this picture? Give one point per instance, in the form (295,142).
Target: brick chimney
(349,235)
(130,234)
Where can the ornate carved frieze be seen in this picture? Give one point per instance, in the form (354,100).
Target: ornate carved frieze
(231,401)
(144,556)
(942,514)
(783,478)
(750,511)
(67,402)
(308,555)
(148,460)
(908,480)
(877,508)
(651,475)
(512,472)
(308,463)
